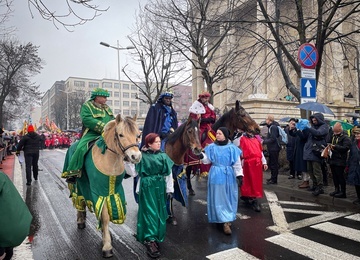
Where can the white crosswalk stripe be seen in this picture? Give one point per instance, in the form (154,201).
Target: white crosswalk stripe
(339,230)
(309,248)
(231,254)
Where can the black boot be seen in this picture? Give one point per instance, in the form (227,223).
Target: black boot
(336,191)
(313,188)
(319,190)
(341,194)
(256,205)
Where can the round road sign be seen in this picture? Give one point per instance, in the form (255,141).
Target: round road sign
(308,56)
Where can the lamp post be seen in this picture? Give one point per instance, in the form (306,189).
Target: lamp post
(118,48)
(67,106)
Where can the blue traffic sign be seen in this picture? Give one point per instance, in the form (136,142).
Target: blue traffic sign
(308,56)
(308,88)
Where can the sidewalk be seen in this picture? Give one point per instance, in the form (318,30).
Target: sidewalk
(289,185)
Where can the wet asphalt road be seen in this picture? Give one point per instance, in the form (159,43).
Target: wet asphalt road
(288,221)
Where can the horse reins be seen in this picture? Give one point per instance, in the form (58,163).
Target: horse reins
(122,148)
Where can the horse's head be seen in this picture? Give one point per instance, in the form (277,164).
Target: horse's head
(126,136)
(243,120)
(191,136)
(237,118)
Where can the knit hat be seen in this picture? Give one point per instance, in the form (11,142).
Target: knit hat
(204,94)
(225,131)
(99,92)
(30,129)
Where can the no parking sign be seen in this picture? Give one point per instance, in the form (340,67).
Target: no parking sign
(308,56)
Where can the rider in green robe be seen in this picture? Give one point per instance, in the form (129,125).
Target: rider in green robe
(94,115)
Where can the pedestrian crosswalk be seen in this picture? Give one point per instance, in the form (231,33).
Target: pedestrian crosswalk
(315,237)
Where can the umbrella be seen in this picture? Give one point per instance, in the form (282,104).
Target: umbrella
(345,125)
(315,106)
(356,115)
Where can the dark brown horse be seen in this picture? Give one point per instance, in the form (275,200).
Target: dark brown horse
(237,118)
(185,137)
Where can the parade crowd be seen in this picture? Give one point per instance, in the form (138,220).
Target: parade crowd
(234,164)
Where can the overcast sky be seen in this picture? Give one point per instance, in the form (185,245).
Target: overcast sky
(78,53)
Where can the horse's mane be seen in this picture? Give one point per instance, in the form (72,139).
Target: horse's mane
(179,131)
(129,125)
(221,121)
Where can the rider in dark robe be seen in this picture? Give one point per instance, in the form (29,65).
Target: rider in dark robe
(202,109)
(160,119)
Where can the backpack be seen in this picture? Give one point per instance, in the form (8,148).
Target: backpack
(282,138)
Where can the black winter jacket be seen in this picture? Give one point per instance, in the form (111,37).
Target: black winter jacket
(30,143)
(340,152)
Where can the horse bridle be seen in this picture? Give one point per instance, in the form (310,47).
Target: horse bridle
(122,148)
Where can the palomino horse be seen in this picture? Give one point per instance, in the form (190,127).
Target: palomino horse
(235,119)
(185,137)
(100,186)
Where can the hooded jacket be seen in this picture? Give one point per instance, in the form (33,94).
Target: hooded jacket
(30,143)
(315,135)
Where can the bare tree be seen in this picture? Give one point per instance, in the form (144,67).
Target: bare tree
(201,30)
(292,23)
(17,64)
(75,103)
(162,66)
(72,13)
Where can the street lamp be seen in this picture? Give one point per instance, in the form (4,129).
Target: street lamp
(118,48)
(67,106)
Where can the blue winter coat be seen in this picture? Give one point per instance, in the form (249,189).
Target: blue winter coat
(354,164)
(315,135)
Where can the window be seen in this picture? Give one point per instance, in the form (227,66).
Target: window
(133,95)
(78,83)
(116,85)
(107,85)
(133,87)
(93,85)
(133,112)
(109,102)
(126,112)
(126,103)
(116,111)
(116,103)
(116,94)
(134,104)
(126,95)
(126,86)
(110,93)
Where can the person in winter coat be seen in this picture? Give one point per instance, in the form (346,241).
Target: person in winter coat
(290,150)
(273,148)
(340,144)
(353,163)
(315,142)
(30,143)
(300,140)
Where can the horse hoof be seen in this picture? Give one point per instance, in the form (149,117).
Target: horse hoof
(81,225)
(107,253)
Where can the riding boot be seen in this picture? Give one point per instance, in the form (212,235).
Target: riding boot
(336,191)
(188,181)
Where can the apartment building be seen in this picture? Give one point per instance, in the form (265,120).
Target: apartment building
(123,97)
